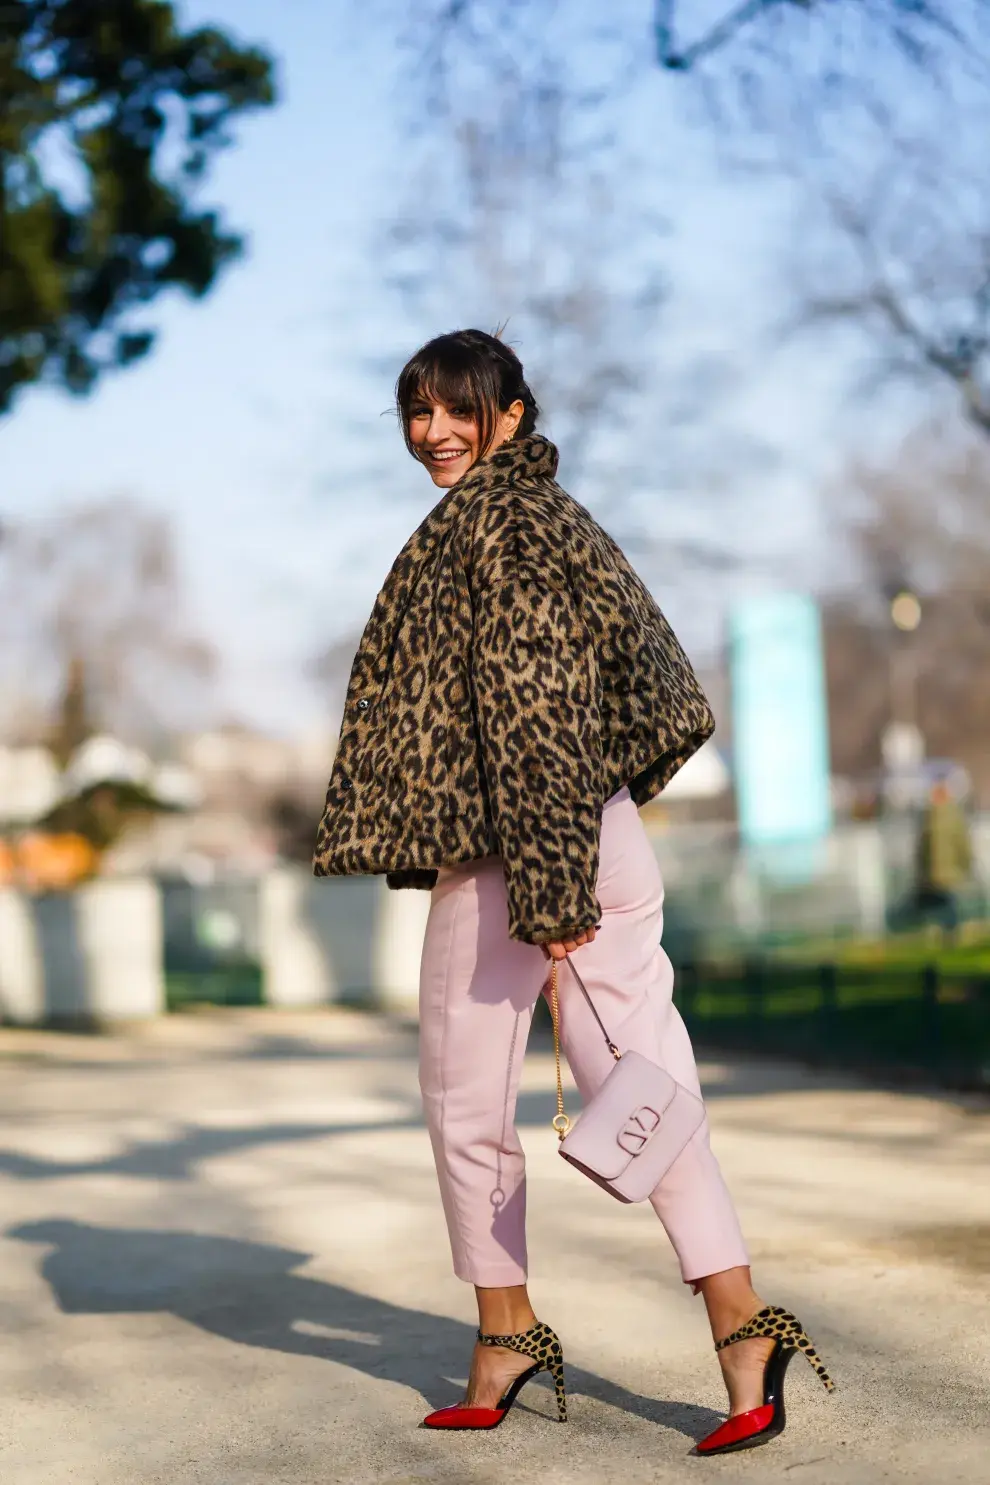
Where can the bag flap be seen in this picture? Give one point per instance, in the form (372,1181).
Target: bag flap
(683,1118)
(623,1115)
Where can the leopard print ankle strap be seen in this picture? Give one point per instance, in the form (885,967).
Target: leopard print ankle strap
(770,1321)
(539,1341)
(781,1326)
(542,1345)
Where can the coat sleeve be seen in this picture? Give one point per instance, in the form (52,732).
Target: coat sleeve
(538,704)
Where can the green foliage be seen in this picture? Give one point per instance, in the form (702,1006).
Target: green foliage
(109,118)
(103,812)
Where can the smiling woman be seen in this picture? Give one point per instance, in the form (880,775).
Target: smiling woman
(517,693)
(460,398)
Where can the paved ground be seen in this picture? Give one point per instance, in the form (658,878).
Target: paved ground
(222,1260)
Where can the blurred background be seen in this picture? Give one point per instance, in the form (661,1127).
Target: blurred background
(744,253)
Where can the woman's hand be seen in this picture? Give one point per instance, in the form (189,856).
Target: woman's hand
(561,949)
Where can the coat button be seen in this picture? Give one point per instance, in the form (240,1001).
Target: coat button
(345,783)
(363,704)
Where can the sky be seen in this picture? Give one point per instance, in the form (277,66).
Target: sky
(257,423)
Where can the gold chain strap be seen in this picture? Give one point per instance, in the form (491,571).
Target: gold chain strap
(561,1122)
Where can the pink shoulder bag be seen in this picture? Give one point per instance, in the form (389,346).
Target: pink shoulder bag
(637,1124)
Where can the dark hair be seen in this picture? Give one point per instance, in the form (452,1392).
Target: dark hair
(469,369)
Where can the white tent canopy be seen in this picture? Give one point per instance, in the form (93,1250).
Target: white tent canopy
(29,784)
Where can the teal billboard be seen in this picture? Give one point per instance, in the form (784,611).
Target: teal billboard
(779,720)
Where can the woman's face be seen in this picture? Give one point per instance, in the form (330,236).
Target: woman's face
(448,440)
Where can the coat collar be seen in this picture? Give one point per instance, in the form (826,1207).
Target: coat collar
(532,457)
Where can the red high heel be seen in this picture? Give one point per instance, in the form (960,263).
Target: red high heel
(539,1342)
(760,1425)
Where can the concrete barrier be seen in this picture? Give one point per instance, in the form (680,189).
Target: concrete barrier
(22,973)
(340,939)
(86,957)
(295,948)
(398,948)
(96,955)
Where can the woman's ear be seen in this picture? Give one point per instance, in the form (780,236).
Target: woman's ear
(511,418)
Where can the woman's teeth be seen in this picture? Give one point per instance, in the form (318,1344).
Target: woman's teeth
(444,455)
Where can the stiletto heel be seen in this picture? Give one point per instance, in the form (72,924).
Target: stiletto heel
(540,1343)
(760,1425)
(556,1369)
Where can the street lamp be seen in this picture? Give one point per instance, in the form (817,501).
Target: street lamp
(905,613)
(903,744)
(905,610)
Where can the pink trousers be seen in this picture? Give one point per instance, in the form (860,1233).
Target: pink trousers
(478,989)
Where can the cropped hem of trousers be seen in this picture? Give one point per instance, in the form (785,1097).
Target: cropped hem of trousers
(478,989)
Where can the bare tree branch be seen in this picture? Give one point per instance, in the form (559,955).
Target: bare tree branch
(534,234)
(919,521)
(820,84)
(96,592)
(908,23)
(924,296)
(682,59)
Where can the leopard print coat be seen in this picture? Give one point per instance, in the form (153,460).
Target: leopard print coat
(514,674)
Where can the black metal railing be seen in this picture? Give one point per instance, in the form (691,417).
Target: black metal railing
(925,1020)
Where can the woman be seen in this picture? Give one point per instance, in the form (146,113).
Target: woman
(516,695)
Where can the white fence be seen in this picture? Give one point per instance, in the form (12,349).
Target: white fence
(99,955)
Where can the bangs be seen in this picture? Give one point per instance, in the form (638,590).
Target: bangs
(454,386)
(454,374)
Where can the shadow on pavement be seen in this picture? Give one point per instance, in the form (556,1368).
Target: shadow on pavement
(175,1158)
(247,1292)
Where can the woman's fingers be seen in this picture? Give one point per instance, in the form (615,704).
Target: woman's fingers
(560,949)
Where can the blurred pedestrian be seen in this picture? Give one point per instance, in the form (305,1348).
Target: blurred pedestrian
(944,858)
(516,695)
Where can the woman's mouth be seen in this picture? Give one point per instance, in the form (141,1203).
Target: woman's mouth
(445,456)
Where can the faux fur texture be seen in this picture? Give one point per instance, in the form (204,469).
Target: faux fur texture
(514,674)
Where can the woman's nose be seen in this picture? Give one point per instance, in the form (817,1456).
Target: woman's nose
(439,425)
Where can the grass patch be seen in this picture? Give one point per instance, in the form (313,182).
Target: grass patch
(232,984)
